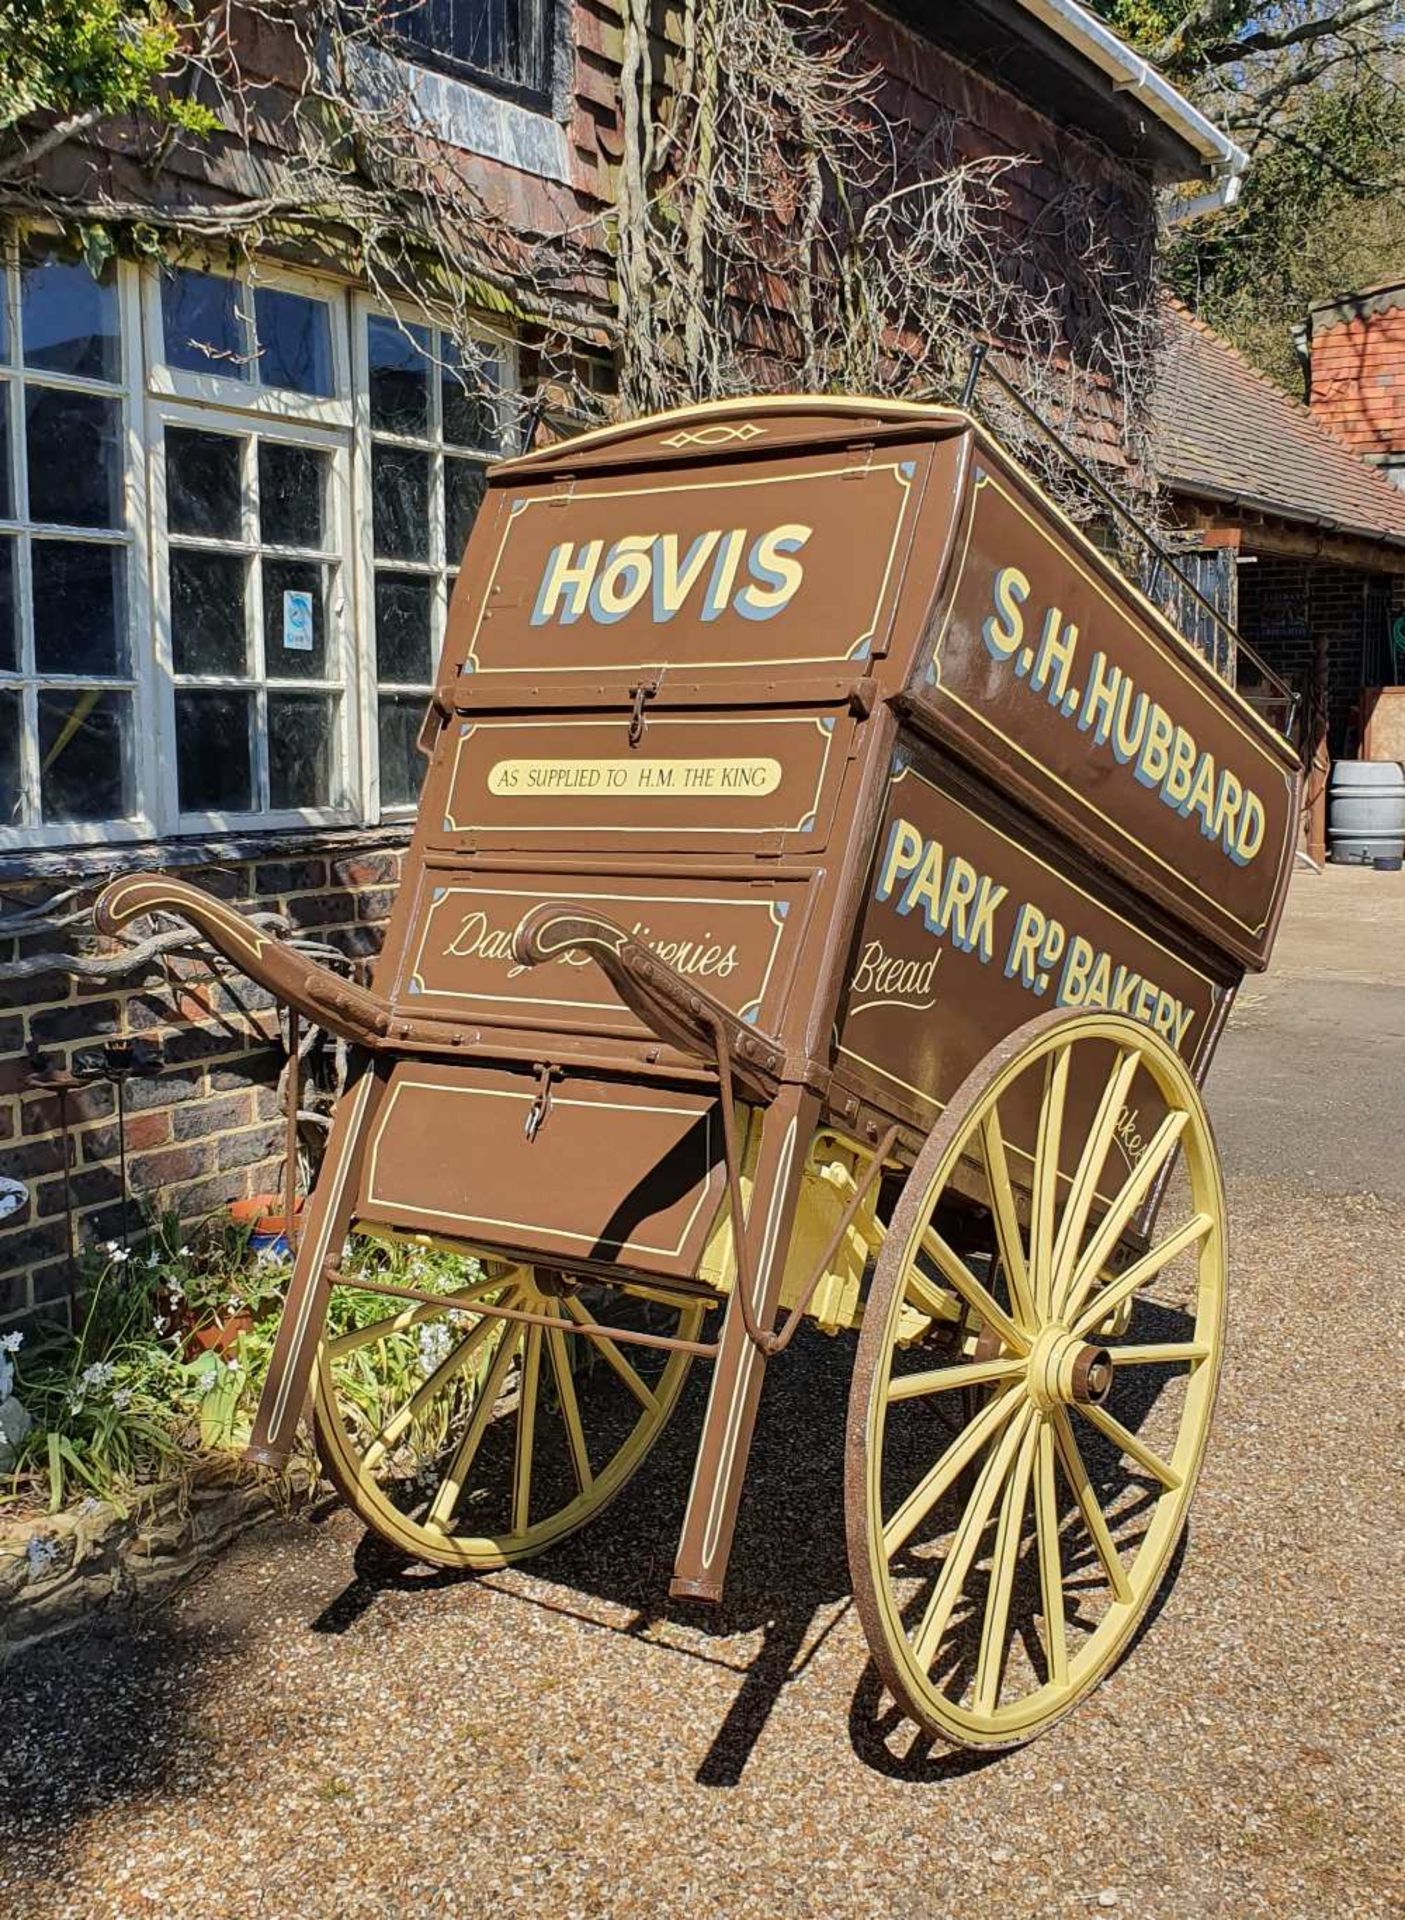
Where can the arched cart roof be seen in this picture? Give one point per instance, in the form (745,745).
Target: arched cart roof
(721,424)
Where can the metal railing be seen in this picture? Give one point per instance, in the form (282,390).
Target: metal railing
(981,368)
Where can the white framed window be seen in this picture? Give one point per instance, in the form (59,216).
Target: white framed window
(431,417)
(253,617)
(72,693)
(231,514)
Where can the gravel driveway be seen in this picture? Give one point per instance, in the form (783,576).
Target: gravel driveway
(307,1735)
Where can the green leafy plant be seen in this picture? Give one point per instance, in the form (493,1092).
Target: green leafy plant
(127,1401)
(92,57)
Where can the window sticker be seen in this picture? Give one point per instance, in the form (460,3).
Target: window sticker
(297,622)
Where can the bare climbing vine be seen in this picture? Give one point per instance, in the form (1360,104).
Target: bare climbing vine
(778,228)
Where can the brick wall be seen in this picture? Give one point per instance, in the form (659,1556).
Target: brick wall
(1358,373)
(1286,603)
(204,1125)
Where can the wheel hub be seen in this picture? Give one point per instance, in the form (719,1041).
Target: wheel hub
(1066,1371)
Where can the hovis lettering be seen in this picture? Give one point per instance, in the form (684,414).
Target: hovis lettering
(722,568)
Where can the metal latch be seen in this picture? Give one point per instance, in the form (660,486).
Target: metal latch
(540,1109)
(645,690)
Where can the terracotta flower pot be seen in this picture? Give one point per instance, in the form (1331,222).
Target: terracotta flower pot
(217,1336)
(265,1215)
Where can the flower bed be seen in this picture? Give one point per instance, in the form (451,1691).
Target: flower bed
(119,1463)
(121,1442)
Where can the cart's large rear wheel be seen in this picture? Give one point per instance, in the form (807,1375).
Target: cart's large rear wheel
(1005,1542)
(472,1441)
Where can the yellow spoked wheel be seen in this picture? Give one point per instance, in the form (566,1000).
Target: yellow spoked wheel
(468,1440)
(1006,1540)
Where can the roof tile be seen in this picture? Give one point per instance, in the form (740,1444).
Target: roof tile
(1225,431)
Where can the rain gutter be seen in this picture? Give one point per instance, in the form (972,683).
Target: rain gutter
(1223,159)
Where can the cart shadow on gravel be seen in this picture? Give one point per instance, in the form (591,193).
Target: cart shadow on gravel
(788,1578)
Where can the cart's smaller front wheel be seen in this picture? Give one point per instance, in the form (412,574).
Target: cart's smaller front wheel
(1005,1541)
(471,1440)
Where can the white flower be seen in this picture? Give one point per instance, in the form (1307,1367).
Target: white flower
(122,1398)
(204,1381)
(153,1259)
(176,1292)
(41,1552)
(11,1342)
(435,1344)
(99,1375)
(117,1255)
(160,1322)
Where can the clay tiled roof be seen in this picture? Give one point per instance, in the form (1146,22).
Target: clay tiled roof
(1224,432)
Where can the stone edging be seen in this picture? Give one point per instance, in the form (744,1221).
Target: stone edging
(58,1569)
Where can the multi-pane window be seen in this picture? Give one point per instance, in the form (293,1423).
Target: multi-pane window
(255,611)
(505,44)
(226,552)
(67,686)
(436,417)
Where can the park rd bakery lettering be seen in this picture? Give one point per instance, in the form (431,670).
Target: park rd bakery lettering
(726,568)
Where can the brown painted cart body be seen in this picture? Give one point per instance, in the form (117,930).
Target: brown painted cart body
(830,882)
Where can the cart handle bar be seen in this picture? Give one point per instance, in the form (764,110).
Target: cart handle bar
(681,1014)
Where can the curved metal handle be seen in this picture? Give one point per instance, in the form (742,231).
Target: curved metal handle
(336,1004)
(680,1013)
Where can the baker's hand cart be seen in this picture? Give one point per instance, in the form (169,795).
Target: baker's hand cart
(830,882)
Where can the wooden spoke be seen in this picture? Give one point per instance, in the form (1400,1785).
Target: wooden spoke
(1089,1506)
(342,1344)
(448,1369)
(1132,1445)
(1004,1563)
(1006,1218)
(977,1296)
(929,1298)
(1051,1577)
(450,1490)
(570,1405)
(956,1567)
(1110,1297)
(526,1431)
(970,1373)
(1171,1353)
(934,1483)
(585,1318)
(1046,1177)
(1085,1180)
(1115,1221)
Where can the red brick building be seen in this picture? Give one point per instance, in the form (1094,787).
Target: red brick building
(1355,353)
(234,496)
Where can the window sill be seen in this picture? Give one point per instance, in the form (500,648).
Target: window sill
(198,850)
